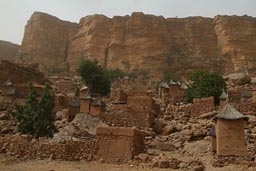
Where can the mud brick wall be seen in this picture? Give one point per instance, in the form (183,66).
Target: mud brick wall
(126,116)
(118,96)
(119,145)
(28,148)
(140,102)
(247,107)
(199,106)
(234,96)
(136,93)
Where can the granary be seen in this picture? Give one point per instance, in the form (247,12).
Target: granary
(73,109)
(176,93)
(97,106)
(118,96)
(5,86)
(85,103)
(163,90)
(174,88)
(83,91)
(10,96)
(223,98)
(230,137)
(119,144)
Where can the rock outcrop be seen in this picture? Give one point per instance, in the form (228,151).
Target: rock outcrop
(20,74)
(8,50)
(143,43)
(46,41)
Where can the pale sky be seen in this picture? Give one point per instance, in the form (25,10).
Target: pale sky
(15,13)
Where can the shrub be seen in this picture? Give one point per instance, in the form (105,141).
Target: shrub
(35,117)
(204,84)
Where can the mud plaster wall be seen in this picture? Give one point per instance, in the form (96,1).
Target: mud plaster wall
(230,137)
(119,146)
(85,106)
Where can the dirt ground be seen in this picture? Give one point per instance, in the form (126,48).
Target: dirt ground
(10,164)
(197,149)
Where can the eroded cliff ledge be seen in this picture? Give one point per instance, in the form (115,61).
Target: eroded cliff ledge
(143,43)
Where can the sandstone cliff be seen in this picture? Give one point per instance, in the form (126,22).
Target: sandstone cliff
(143,43)
(8,50)
(46,40)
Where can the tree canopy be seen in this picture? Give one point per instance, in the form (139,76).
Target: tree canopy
(35,117)
(205,84)
(94,76)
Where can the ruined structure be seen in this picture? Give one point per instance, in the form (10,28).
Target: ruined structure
(230,137)
(142,43)
(119,145)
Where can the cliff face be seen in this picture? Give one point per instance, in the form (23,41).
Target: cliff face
(46,40)
(8,50)
(236,41)
(144,43)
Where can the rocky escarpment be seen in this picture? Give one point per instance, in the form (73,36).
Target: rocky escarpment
(8,50)
(143,43)
(46,41)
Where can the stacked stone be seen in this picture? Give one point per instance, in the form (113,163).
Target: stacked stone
(27,148)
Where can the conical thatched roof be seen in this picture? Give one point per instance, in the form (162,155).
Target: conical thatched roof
(163,85)
(6,83)
(87,96)
(74,103)
(223,95)
(230,113)
(98,102)
(171,82)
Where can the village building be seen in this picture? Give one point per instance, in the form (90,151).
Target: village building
(83,91)
(118,96)
(176,92)
(119,144)
(163,91)
(85,103)
(230,137)
(97,106)
(245,95)
(5,86)
(223,98)
(73,109)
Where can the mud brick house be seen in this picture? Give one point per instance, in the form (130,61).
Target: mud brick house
(85,104)
(118,145)
(73,109)
(118,96)
(96,107)
(230,137)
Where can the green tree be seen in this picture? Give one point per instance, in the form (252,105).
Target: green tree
(114,74)
(35,117)
(94,76)
(205,84)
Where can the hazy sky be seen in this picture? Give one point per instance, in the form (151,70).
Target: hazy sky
(15,13)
